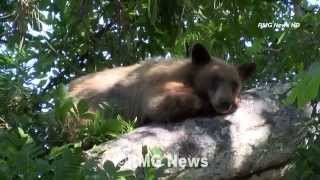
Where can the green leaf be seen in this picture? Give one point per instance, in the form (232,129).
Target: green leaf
(82,106)
(156,151)
(125,173)
(68,166)
(88,115)
(307,88)
(109,167)
(281,37)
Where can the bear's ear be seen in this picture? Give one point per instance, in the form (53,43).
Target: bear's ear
(200,55)
(246,70)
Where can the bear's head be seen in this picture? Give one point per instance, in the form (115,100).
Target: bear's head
(217,81)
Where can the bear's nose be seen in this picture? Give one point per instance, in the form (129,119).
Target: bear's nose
(225,105)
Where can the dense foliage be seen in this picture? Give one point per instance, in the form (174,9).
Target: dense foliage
(44,44)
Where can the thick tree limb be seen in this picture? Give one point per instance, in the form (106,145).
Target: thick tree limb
(254,142)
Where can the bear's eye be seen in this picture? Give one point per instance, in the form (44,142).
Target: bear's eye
(234,85)
(215,82)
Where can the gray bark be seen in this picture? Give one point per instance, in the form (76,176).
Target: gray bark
(256,142)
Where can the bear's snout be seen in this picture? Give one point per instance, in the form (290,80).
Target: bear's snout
(225,105)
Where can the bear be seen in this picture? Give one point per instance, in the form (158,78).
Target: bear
(167,90)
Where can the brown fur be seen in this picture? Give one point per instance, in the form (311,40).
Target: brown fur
(167,90)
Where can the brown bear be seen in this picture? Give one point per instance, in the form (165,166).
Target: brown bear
(167,90)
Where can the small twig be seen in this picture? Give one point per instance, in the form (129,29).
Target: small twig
(7,15)
(5,34)
(273,50)
(3,124)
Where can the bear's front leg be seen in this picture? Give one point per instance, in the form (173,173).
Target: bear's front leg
(171,103)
